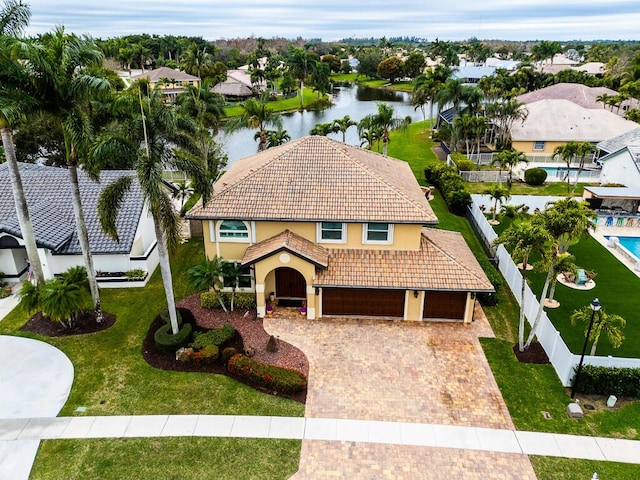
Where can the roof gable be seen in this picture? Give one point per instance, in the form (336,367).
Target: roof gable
(291,242)
(317,178)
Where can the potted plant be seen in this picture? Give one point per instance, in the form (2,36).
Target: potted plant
(269,308)
(303,308)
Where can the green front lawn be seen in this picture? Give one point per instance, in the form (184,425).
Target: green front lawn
(167,458)
(112,378)
(552,468)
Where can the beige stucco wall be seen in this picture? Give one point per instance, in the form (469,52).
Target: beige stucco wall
(413,306)
(527,147)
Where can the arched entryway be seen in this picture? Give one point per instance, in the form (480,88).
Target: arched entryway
(291,286)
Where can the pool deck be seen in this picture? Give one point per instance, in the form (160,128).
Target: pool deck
(602,231)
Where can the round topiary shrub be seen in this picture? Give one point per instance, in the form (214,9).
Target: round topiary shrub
(167,341)
(535,176)
(227,353)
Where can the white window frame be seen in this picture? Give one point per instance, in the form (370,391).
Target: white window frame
(222,238)
(365,234)
(249,275)
(343,235)
(539,142)
(212,231)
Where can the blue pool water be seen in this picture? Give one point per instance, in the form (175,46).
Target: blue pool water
(630,243)
(560,172)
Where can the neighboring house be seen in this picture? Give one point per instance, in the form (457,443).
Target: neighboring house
(551,123)
(587,97)
(171,82)
(509,65)
(611,145)
(621,167)
(232,89)
(48,194)
(342,229)
(471,74)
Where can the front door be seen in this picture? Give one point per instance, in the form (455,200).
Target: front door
(290,283)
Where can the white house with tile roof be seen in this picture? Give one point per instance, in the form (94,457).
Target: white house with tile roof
(343,229)
(48,195)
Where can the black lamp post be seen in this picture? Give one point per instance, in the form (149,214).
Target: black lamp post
(595,306)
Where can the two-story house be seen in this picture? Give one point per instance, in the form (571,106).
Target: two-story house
(341,228)
(172,82)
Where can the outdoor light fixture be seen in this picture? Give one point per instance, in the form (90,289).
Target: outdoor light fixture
(595,306)
(415,294)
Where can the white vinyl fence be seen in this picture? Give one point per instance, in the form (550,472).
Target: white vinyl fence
(560,356)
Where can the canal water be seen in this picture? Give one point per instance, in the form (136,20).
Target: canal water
(353,100)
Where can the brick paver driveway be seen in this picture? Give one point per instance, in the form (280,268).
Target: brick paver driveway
(399,371)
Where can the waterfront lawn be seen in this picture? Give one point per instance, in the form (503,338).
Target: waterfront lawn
(112,378)
(194,458)
(281,105)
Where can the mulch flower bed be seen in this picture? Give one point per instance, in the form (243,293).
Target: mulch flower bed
(534,354)
(86,323)
(251,334)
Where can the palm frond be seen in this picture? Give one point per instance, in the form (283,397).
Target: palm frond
(109,204)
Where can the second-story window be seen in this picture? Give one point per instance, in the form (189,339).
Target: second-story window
(377,233)
(233,229)
(332,232)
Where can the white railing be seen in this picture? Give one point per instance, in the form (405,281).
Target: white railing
(487,176)
(486,158)
(560,356)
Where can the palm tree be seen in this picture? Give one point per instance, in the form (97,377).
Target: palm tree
(583,149)
(196,60)
(506,160)
(611,325)
(566,153)
(523,239)
(451,93)
(564,262)
(182,192)
(566,220)
(274,137)
(255,114)
(504,114)
(232,271)
(154,128)
(342,125)
(57,63)
(14,102)
(497,194)
(386,121)
(208,274)
(323,129)
(300,66)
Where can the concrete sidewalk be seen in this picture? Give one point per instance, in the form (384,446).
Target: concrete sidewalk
(324,429)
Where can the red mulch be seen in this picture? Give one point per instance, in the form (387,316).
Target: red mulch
(251,334)
(534,354)
(86,323)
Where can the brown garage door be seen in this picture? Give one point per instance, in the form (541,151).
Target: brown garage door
(449,305)
(363,301)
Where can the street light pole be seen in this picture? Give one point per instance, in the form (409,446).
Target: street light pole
(595,306)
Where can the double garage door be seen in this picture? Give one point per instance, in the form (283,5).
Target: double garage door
(363,302)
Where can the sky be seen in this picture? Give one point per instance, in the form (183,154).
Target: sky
(333,20)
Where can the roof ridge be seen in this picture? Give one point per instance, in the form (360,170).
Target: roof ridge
(447,254)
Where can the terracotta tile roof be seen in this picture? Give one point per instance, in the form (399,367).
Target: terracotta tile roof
(291,242)
(158,74)
(316,178)
(444,262)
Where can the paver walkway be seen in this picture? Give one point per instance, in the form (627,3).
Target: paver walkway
(399,371)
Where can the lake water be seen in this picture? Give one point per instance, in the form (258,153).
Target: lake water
(353,100)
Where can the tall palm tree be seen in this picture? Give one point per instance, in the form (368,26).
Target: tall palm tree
(14,102)
(154,128)
(611,325)
(523,239)
(300,66)
(385,120)
(504,114)
(255,114)
(506,160)
(452,93)
(342,125)
(57,63)
(323,129)
(196,60)
(582,151)
(567,153)
(566,220)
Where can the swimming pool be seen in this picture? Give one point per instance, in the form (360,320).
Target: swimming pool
(630,243)
(561,172)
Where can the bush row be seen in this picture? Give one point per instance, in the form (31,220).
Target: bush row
(241,301)
(280,379)
(216,337)
(451,186)
(621,382)
(462,162)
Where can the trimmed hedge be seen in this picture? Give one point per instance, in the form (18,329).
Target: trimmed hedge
(207,355)
(451,186)
(216,337)
(535,176)
(463,162)
(167,341)
(242,301)
(280,379)
(621,382)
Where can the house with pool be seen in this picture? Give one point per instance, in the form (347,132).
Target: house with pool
(343,230)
